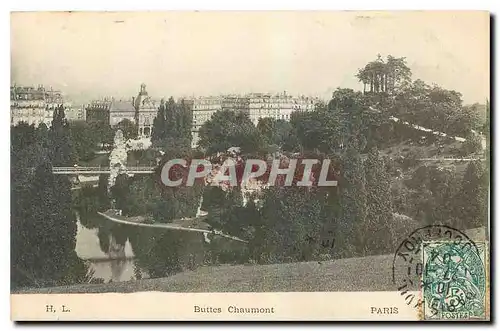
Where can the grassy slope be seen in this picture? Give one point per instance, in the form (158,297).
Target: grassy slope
(354,274)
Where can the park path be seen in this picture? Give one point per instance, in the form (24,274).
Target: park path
(112,216)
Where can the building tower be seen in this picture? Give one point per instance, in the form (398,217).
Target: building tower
(145,112)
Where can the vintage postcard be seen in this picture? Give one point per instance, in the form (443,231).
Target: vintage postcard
(250,166)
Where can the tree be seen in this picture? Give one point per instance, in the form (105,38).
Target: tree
(469,118)
(159,126)
(378,206)
(21,136)
(43,223)
(432,107)
(443,185)
(305,128)
(384,76)
(128,128)
(398,73)
(121,193)
(83,140)
(275,132)
(102,192)
(472,145)
(170,118)
(345,100)
(350,236)
(230,129)
(104,134)
(290,227)
(184,119)
(471,205)
(485,128)
(221,207)
(349,117)
(266,127)
(172,123)
(62,151)
(42,135)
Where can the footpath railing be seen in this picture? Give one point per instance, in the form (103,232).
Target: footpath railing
(100,170)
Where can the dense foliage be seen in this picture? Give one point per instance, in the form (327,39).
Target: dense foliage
(43,224)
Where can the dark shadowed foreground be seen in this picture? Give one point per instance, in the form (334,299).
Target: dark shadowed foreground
(372,273)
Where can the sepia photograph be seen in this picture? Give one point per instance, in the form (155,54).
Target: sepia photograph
(241,165)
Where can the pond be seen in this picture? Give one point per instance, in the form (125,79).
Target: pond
(89,247)
(118,252)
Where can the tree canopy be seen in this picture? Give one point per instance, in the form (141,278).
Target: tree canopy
(228,129)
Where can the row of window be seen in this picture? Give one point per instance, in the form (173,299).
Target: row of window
(29,110)
(257,106)
(276,116)
(209,105)
(28,105)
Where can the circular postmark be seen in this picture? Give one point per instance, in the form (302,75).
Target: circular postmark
(408,263)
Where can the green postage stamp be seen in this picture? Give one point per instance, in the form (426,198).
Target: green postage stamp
(454,281)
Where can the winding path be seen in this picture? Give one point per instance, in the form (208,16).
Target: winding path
(120,219)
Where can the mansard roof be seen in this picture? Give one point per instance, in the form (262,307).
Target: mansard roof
(122,106)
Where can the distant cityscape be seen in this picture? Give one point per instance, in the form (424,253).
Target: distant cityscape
(35,105)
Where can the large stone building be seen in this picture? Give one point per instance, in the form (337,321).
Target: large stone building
(98,111)
(35,105)
(277,106)
(121,110)
(235,103)
(203,108)
(146,110)
(75,113)
(140,110)
(256,105)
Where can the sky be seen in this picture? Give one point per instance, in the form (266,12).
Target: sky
(94,54)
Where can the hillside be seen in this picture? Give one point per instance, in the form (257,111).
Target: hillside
(372,273)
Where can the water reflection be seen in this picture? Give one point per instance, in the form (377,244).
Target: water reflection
(120,252)
(109,252)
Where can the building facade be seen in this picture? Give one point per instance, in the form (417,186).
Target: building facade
(55,99)
(203,108)
(278,106)
(35,105)
(140,110)
(27,104)
(76,113)
(98,111)
(236,103)
(256,105)
(121,110)
(146,110)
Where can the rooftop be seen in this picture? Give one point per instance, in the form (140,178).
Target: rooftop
(122,106)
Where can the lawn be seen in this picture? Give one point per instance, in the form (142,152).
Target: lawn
(371,273)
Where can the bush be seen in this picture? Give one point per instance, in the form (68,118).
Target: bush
(472,145)
(412,158)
